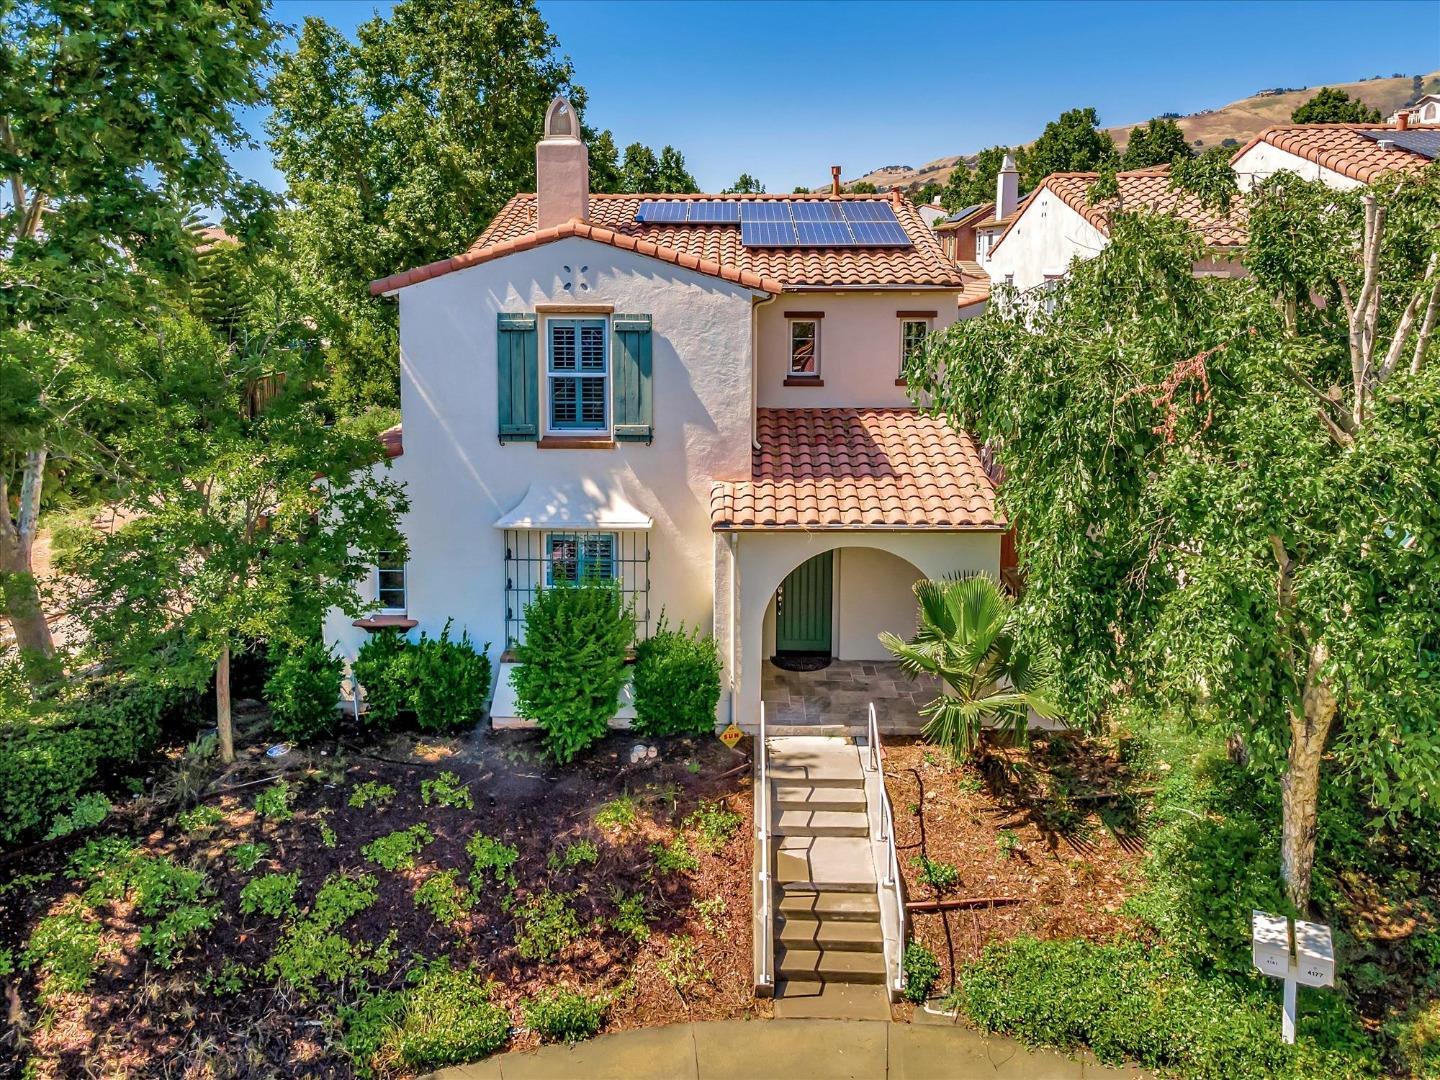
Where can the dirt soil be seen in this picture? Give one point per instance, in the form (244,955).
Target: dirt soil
(1027,838)
(139,1020)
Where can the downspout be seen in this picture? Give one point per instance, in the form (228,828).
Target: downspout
(755,369)
(732,538)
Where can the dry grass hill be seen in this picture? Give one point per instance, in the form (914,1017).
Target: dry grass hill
(1240,120)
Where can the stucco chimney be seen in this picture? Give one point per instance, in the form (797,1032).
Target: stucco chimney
(834,179)
(1007,188)
(1402,120)
(562,169)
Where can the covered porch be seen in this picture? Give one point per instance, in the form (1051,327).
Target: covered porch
(841,694)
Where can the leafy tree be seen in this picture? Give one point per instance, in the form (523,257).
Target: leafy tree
(1159,142)
(800,189)
(923,195)
(745,184)
(968,639)
(1226,490)
(605,176)
(1072,143)
(973,185)
(1208,176)
(1332,106)
(238,523)
(671,175)
(640,171)
(105,138)
(863,187)
(398,148)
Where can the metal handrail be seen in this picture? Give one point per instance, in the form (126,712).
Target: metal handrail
(887,837)
(762,825)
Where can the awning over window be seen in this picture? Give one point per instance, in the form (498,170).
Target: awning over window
(582,504)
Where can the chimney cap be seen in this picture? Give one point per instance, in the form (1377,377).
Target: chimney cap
(1008,165)
(560,120)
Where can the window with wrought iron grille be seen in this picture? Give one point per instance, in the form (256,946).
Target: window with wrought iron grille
(577,369)
(536,559)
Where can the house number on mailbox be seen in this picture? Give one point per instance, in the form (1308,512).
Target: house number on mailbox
(1302,953)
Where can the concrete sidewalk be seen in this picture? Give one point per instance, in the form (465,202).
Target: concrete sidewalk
(791,1050)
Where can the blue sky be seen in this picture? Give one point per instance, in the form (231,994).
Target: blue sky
(784,90)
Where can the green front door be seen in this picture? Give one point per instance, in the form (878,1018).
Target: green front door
(802,608)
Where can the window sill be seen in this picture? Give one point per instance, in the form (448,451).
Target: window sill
(386,622)
(576,442)
(804,380)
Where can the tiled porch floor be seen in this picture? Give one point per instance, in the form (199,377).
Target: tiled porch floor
(841,694)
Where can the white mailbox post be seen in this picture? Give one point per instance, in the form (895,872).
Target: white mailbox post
(1305,955)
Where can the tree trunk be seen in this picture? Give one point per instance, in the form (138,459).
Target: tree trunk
(222,706)
(19,591)
(1300,791)
(23,609)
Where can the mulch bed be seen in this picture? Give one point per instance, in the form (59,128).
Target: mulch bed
(1024,829)
(138,1019)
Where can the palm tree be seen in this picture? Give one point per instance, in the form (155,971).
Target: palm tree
(967,638)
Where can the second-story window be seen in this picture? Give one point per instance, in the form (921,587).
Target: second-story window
(804,348)
(578,375)
(390,581)
(912,339)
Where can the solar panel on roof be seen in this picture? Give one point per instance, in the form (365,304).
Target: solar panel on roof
(765,210)
(714,212)
(823,234)
(880,234)
(1424,143)
(667,211)
(767,234)
(815,210)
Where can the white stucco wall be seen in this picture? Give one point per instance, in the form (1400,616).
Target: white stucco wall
(759,561)
(859,346)
(1045,239)
(873,593)
(1263,160)
(461,480)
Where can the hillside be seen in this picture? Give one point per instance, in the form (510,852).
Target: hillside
(1240,120)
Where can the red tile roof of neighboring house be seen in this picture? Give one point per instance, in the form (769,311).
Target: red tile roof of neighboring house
(1140,189)
(977,283)
(392,439)
(970,220)
(858,468)
(1341,148)
(717,248)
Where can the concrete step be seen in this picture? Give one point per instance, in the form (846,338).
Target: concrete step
(829,906)
(825,863)
(817,762)
(806,797)
(822,823)
(816,965)
(828,936)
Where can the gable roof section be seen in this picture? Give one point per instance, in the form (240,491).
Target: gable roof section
(479,254)
(1341,148)
(858,468)
(1140,189)
(717,248)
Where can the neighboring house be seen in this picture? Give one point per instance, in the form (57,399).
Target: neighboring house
(931,212)
(698,397)
(1424,111)
(1057,223)
(956,232)
(1006,208)
(1343,156)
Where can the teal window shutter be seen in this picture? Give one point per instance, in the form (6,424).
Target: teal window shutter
(517,361)
(631,372)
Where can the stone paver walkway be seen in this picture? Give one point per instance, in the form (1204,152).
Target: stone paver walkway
(841,694)
(791,1050)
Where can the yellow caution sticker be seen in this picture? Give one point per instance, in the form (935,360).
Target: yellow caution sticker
(732,735)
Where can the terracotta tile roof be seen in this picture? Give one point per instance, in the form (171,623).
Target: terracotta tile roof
(1341,148)
(923,264)
(963,220)
(392,439)
(977,283)
(858,468)
(1140,189)
(479,254)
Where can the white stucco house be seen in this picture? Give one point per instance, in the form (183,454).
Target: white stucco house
(696,396)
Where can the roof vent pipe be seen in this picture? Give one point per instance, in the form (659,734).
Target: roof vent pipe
(1402,120)
(835,180)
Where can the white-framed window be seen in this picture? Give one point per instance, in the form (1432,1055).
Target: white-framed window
(804,349)
(912,339)
(982,246)
(576,557)
(577,374)
(390,581)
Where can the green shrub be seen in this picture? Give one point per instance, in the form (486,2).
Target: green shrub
(247,856)
(677,682)
(711,911)
(630,916)
(366,1025)
(438,683)
(674,857)
(313,950)
(447,790)
(681,965)
(620,814)
(1418,1039)
(548,927)
(580,853)
(1131,1001)
(493,860)
(940,876)
(174,930)
(572,664)
(371,792)
(65,949)
(444,897)
(273,895)
(922,972)
(715,823)
(397,850)
(446,1019)
(85,812)
(303,691)
(560,1015)
(200,818)
(274,802)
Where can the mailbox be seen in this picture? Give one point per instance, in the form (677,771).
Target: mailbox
(1270,943)
(1314,954)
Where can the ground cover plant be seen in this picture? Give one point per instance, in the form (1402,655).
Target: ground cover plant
(519,921)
